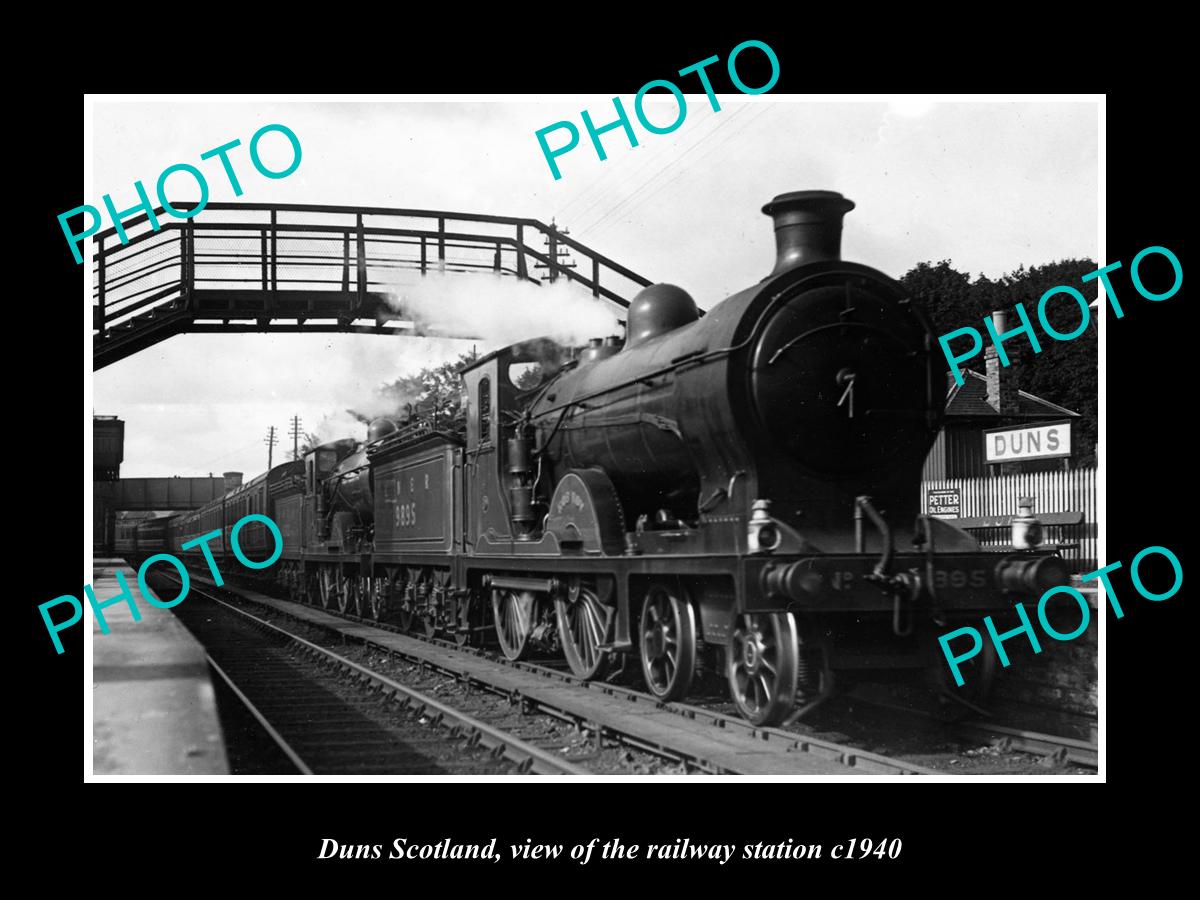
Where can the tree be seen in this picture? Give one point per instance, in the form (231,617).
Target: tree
(1064,372)
(308,442)
(433,392)
(944,292)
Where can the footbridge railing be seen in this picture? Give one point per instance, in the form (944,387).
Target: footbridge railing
(239,267)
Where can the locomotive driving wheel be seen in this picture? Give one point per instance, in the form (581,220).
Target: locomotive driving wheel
(363,589)
(513,615)
(430,604)
(380,597)
(583,623)
(441,613)
(346,586)
(413,595)
(762,661)
(668,641)
(328,587)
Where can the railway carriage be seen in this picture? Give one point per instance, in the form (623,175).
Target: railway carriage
(125,538)
(255,497)
(139,538)
(221,515)
(181,529)
(735,492)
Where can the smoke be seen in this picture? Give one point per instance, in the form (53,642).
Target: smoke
(501,309)
(547,353)
(387,402)
(337,425)
(492,309)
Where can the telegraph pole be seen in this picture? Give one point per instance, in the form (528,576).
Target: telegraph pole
(555,252)
(270,440)
(295,432)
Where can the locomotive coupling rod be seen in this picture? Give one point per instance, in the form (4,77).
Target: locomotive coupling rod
(517,583)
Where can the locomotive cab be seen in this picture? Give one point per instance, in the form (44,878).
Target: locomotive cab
(321,461)
(320,466)
(502,479)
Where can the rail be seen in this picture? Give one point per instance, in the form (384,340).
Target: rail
(703,739)
(328,752)
(1056,748)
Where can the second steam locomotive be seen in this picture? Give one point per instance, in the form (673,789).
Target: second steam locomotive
(734,492)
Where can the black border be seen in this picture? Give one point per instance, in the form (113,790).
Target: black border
(218,839)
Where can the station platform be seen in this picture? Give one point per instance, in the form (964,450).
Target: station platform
(153,707)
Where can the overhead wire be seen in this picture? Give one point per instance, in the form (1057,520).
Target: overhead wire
(672,162)
(598,189)
(697,138)
(593,192)
(646,198)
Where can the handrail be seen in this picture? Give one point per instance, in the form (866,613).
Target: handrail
(213,269)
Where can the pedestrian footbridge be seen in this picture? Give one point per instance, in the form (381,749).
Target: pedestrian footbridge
(279,268)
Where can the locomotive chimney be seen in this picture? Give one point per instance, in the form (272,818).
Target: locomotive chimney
(808,227)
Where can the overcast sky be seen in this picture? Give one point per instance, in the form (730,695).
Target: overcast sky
(990,186)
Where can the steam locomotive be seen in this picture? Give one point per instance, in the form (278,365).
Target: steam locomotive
(733,492)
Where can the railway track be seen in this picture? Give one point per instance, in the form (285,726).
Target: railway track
(833,756)
(697,738)
(330,715)
(1055,749)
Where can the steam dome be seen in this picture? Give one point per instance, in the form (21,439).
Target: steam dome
(379,428)
(658,309)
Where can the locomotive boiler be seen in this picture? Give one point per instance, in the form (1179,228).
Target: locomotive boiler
(807,390)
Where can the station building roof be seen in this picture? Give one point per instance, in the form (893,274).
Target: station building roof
(970,401)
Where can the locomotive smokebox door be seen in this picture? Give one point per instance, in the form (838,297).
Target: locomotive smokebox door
(836,371)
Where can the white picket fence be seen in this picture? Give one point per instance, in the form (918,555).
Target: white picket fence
(1073,490)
